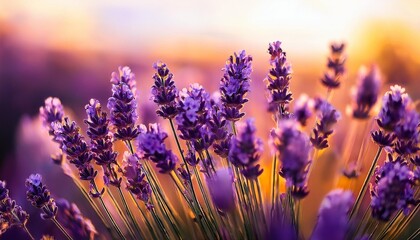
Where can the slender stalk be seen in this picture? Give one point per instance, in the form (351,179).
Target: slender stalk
(149,226)
(27,231)
(414,235)
(365,184)
(61,228)
(274,188)
(130,215)
(389,225)
(120,212)
(403,224)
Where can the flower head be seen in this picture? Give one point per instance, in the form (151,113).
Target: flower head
(335,66)
(235,84)
(40,197)
(136,182)
(221,189)
(164,91)
(327,118)
(11,214)
(303,109)
(394,107)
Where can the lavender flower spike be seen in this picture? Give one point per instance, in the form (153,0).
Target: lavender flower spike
(136,182)
(122,105)
(332,215)
(366,92)
(328,117)
(51,112)
(235,85)
(39,196)
(151,146)
(221,189)
(245,150)
(164,91)
(335,65)
(11,214)
(74,221)
(278,80)
(303,110)
(293,149)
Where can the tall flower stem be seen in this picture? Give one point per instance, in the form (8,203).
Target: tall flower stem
(414,235)
(62,229)
(120,212)
(389,225)
(130,215)
(405,221)
(28,232)
(149,226)
(274,188)
(114,224)
(365,184)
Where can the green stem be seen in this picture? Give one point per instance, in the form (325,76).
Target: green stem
(27,231)
(274,188)
(414,235)
(61,228)
(149,226)
(127,210)
(120,212)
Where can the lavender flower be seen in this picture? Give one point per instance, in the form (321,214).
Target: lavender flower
(52,111)
(245,150)
(328,117)
(122,105)
(101,140)
(407,132)
(335,66)
(303,109)
(235,85)
(135,176)
(73,220)
(332,215)
(278,80)
(366,92)
(217,125)
(11,214)
(221,190)
(39,196)
(164,92)
(393,190)
(292,148)
(151,146)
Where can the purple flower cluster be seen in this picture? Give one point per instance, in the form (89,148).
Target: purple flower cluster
(235,85)
(123,105)
(51,112)
(335,66)
(101,141)
(303,109)
(278,80)
(151,146)
(407,133)
(40,197)
(292,147)
(11,214)
(221,189)
(327,118)
(394,107)
(332,215)
(217,125)
(366,91)
(164,92)
(246,149)
(73,220)
(136,182)
(393,190)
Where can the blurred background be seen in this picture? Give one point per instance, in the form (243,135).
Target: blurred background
(68,49)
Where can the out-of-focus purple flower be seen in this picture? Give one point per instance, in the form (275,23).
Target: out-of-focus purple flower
(101,141)
(151,146)
(40,197)
(278,80)
(393,190)
(332,216)
(303,110)
(292,148)
(327,118)
(122,105)
(382,138)
(52,111)
(415,160)
(245,150)
(335,66)
(221,189)
(394,108)
(408,132)
(11,214)
(164,92)
(235,85)
(366,92)
(136,182)
(73,220)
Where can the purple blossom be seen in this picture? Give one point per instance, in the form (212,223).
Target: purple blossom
(303,109)
(327,118)
(101,141)
(278,80)
(11,214)
(394,108)
(52,112)
(136,182)
(73,220)
(332,215)
(164,92)
(245,150)
(235,85)
(393,190)
(151,146)
(335,66)
(382,138)
(292,148)
(39,196)
(217,125)
(122,105)
(221,189)
(407,132)
(366,92)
